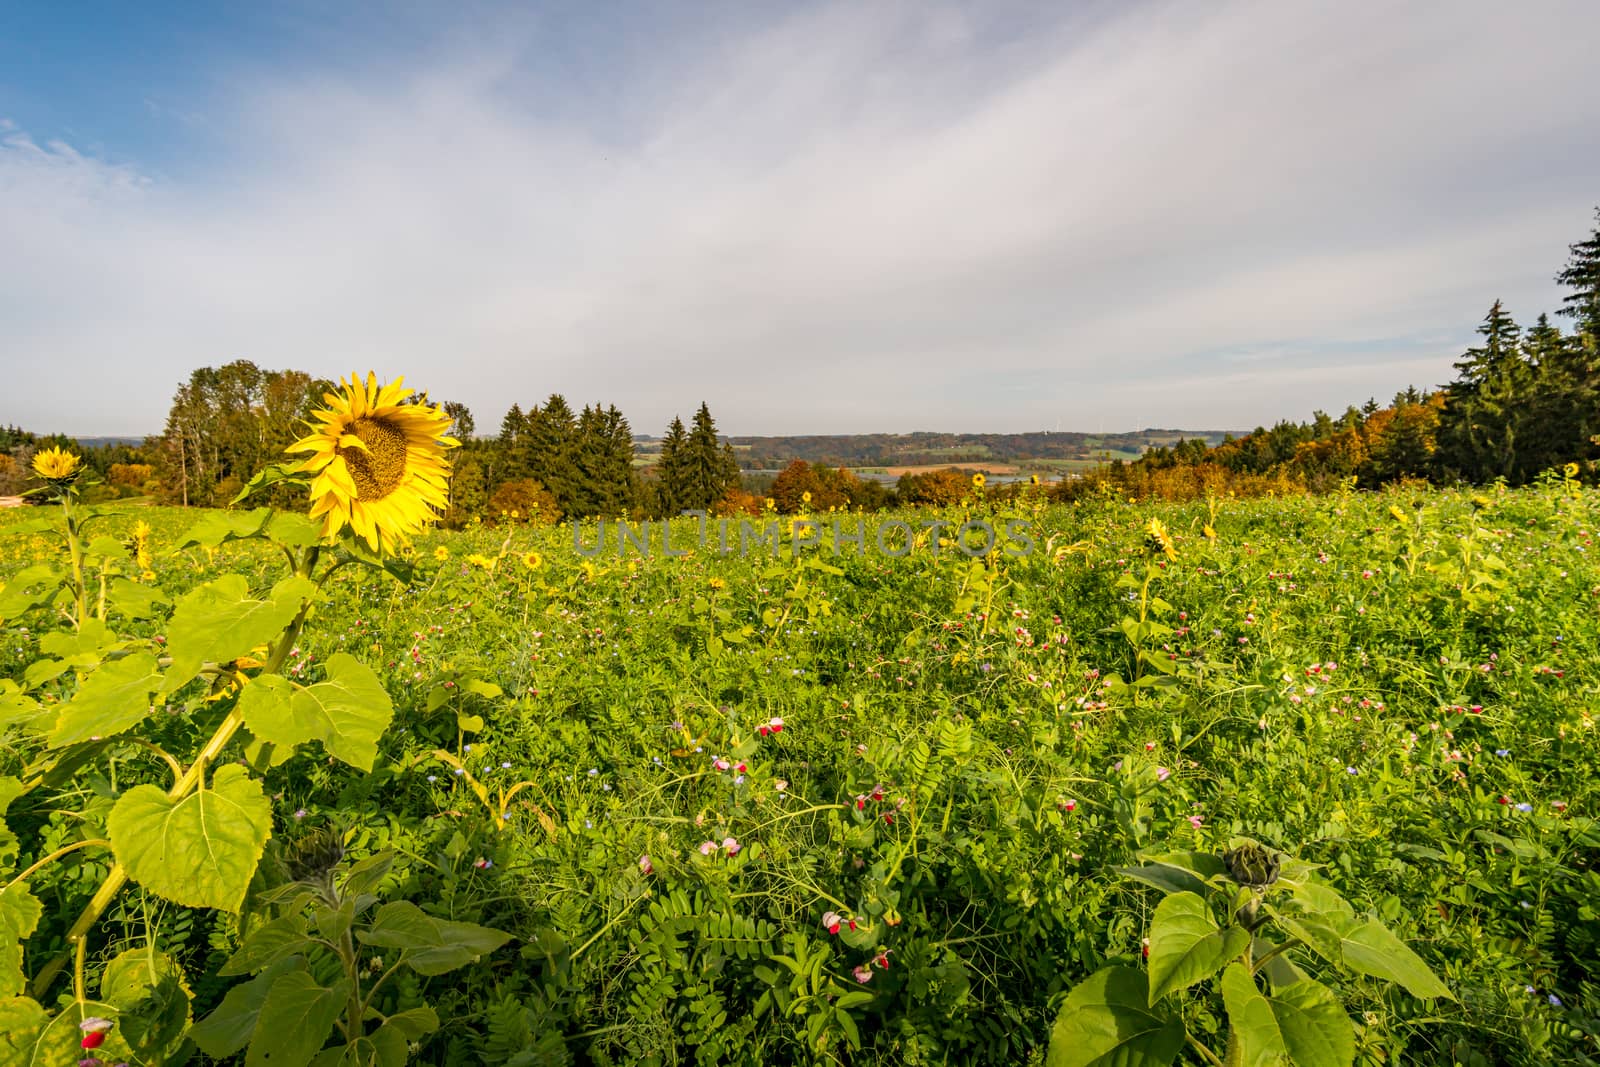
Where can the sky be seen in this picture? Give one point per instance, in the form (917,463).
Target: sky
(818,218)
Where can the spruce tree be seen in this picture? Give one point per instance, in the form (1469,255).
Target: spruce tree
(553,438)
(1582,277)
(672,482)
(711,468)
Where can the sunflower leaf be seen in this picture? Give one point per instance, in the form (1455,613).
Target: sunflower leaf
(220,621)
(347,712)
(200,851)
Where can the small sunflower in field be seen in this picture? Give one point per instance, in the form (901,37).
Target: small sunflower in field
(141,545)
(532,560)
(978,480)
(1158,541)
(442,554)
(57,466)
(379,461)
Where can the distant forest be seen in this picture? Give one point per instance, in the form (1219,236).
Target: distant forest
(1524,401)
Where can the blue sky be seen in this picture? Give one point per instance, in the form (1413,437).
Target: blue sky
(817,217)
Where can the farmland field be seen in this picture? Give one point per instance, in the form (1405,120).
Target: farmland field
(943,758)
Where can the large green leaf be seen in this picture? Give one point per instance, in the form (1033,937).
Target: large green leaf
(295,1020)
(217,527)
(220,621)
(112,699)
(149,989)
(200,851)
(1106,1023)
(267,944)
(1186,946)
(133,600)
(1303,1025)
(30,1037)
(429,945)
(29,588)
(227,1030)
(18,709)
(10,789)
(19,914)
(347,712)
(1331,929)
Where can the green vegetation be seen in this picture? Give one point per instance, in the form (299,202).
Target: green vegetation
(518,806)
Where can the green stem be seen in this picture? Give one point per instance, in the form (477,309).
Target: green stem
(57,854)
(1205,1053)
(75,547)
(1277,950)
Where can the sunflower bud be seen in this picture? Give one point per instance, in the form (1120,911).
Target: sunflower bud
(1252,865)
(316,855)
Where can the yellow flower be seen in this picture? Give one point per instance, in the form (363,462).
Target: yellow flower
(441,553)
(772,505)
(978,480)
(379,462)
(1033,479)
(1571,470)
(1158,541)
(141,544)
(718,583)
(1397,514)
(515,514)
(1480,501)
(479,560)
(532,560)
(1210,531)
(805,497)
(57,466)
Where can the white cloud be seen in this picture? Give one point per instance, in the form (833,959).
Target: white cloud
(859,217)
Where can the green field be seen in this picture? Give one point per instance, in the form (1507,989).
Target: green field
(1399,689)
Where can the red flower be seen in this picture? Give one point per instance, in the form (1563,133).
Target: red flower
(94,1039)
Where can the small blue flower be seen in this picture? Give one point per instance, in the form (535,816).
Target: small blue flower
(1555,1001)
(1524,807)
(593,771)
(506,765)
(461,770)
(1351,770)
(1502,752)
(433,777)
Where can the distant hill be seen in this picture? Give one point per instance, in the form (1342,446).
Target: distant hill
(101,442)
(1042,449)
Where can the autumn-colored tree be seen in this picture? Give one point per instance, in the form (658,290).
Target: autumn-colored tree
(523,501)
(941,488)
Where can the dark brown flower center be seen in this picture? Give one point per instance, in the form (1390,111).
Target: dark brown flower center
(379,470)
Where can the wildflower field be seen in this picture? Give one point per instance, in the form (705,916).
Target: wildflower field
(1304,780)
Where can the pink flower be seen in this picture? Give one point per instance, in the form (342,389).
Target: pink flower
(1162,774)
(645,866)
(720,764)
(707,847)
(863,974)
(881,960)
(1196,820)
(832,920)
(731,845)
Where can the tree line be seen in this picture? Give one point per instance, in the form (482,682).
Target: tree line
(1522,402)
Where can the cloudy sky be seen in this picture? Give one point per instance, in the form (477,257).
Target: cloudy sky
(863,216)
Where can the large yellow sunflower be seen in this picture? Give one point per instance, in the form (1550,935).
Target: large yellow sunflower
(379,462)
